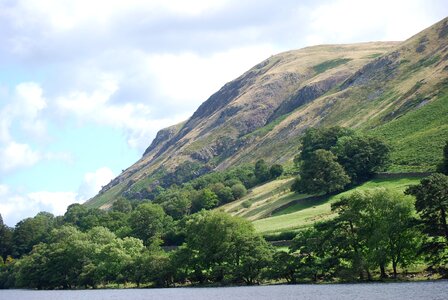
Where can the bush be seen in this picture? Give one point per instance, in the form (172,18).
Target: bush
(247,203)
(276,171)
(239,190)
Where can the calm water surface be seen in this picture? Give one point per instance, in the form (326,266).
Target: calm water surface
(411,290)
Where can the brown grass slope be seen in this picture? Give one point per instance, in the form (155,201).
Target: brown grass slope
(262,113)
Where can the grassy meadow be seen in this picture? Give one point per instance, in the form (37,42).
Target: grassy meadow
(300,214)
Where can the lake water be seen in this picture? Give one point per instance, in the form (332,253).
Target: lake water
(407,290)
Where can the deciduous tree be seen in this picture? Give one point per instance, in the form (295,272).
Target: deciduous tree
(321,173)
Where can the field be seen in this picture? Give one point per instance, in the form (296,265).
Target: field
(262,200)
(296,210)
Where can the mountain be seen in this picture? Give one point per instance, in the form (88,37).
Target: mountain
(396,90)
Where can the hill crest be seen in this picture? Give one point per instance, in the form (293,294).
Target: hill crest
(262,113)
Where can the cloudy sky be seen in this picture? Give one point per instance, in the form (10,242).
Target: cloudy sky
(85,84)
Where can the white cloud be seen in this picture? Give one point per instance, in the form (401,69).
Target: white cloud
(54,202)
(345,21)
(189,77)
(145,92)
(17,205)
(3,189)
(31,99)
(23,112)
(93,182)
(97,107)
(15,155)
(65,15)
(25,107)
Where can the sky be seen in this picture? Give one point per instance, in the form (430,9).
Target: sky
(85,85)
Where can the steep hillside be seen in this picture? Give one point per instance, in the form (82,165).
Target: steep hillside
(384,88)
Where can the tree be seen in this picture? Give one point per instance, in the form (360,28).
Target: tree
(204,199)
(122,205)
(253,255)
(31,231)
(7,273)
(432,205)
(261,171)
(219,246)
(238,190)
(31,269)
(117,222)
(307,249)
(56,264)
(276,170)
(6,236)
(387,225)
(443,166)
(72,259)
(320,138)
(153,266)
(117,258)
(175,202)
(321,173)
(284,265)
(75,212)
(361,156)
(223,192)
(245,174)
(82,217)
(380,223)
(148,222)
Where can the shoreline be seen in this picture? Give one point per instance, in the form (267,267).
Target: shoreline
(214,285)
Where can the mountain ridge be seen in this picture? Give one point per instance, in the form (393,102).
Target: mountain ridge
(264,111)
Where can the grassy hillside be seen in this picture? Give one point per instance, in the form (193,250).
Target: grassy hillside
(303,212)
(396,90)
(417,138)
(261,201)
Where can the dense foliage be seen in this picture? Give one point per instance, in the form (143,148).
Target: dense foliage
(217,248)
(372,231)
(432,205)
(332,158)
(443,166)
(322,173)
(206,191)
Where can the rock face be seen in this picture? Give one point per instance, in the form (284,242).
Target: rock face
(262,113)
(383,69)
(307,94)
(162,137)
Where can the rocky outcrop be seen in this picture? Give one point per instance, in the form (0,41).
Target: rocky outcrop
(307,94)
(162,136)
(221,99)
(381,69)
(222,147)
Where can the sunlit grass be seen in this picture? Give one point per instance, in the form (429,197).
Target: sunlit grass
(303,214)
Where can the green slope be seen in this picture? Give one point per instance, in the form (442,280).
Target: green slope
(302,215)
(417,138)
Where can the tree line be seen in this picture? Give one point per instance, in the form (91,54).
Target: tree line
(372,231)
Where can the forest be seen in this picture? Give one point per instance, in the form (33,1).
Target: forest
(178,236)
